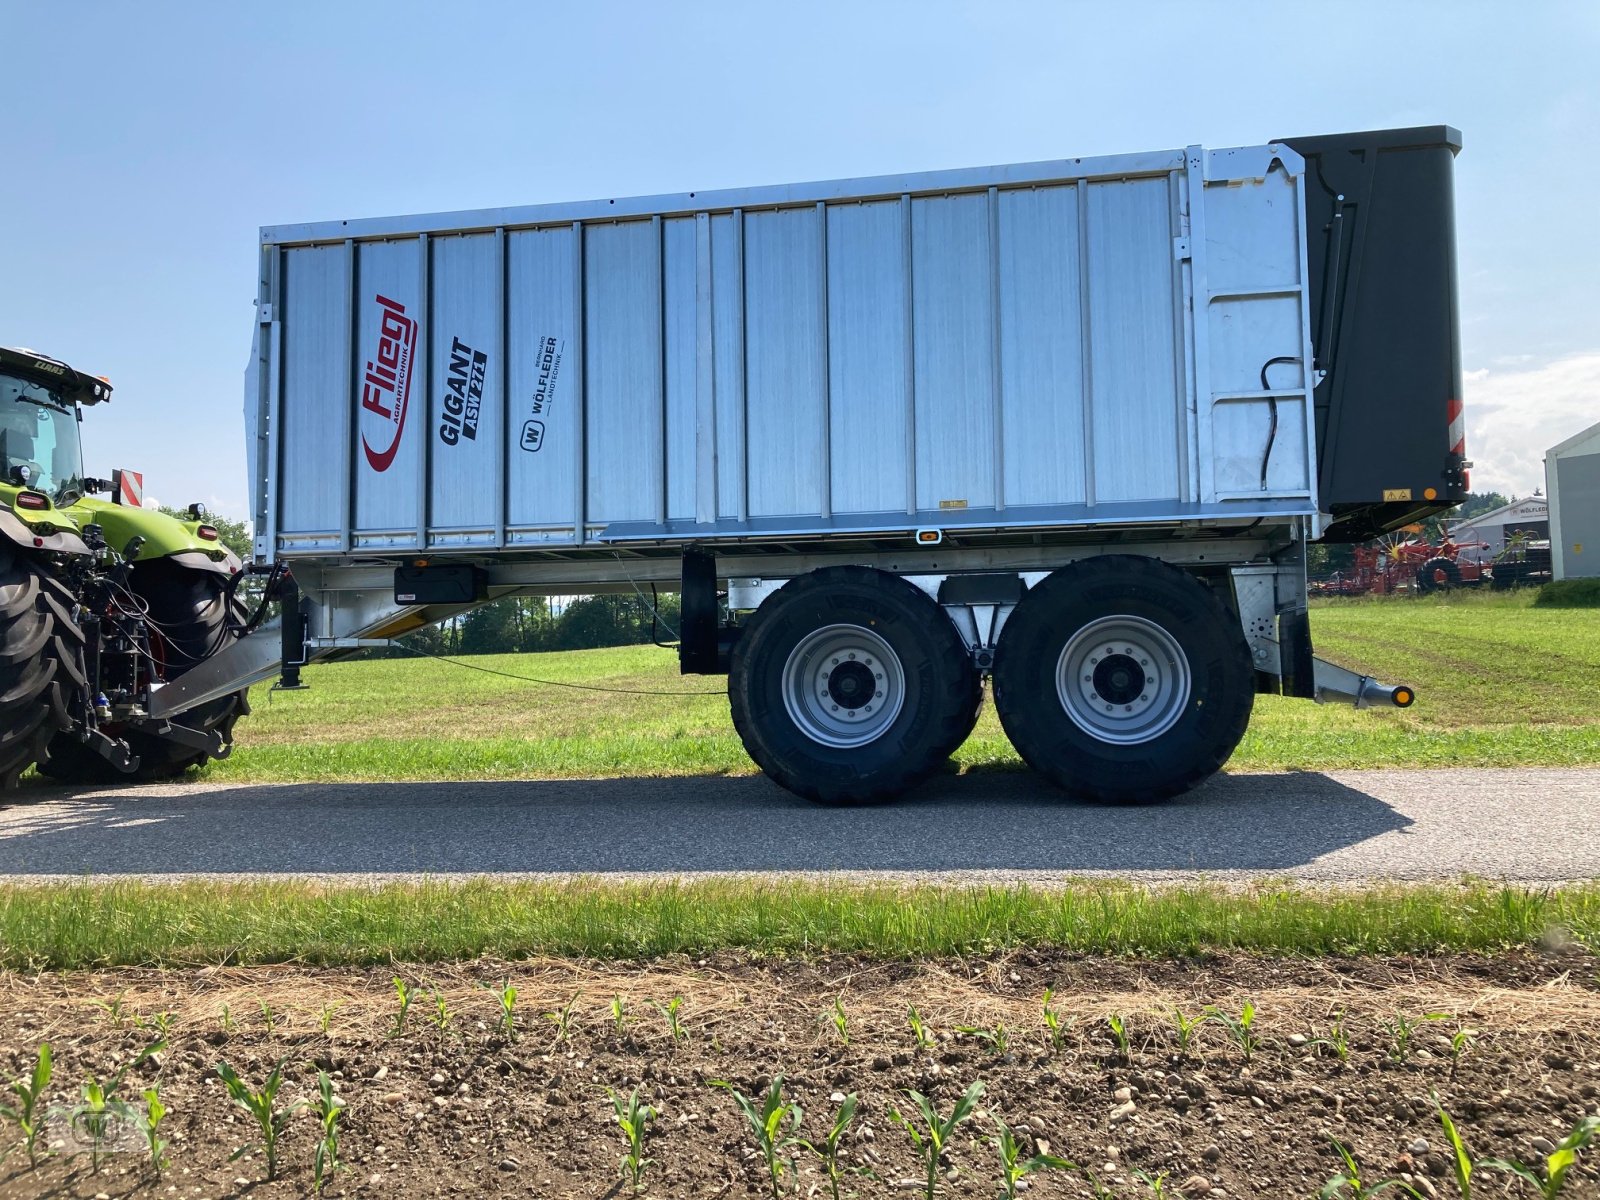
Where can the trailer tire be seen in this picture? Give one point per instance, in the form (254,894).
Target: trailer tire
(1438,573)
(844,634)
(189,610)
(41,662)
(1075,713)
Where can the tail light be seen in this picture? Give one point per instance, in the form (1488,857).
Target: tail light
(35,501)
(207,532)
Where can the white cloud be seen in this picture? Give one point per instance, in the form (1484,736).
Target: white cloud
(1514,416)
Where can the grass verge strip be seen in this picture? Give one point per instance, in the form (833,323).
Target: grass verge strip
(90,924)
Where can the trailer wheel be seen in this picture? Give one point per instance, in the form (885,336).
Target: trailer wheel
(1438,573)
(850,685)
(188,613)
(1123,680)
(41,662)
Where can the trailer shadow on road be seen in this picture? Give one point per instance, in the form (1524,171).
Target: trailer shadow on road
(1000,822)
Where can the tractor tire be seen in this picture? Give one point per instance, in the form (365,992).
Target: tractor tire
(189,611)
(850,685)
(1438,573)
(41,663)
(1123,680)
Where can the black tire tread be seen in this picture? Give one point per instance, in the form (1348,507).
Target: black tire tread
(41,659)
(956,707)
(1031,722)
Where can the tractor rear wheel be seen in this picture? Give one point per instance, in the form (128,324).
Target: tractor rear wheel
(41,662)
(189,613)
(1438,573)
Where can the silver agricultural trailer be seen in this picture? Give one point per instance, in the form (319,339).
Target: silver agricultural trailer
(1068,425)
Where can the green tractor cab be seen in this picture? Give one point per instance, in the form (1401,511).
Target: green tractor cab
(101,602)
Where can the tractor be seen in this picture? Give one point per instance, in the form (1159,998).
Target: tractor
(102,602)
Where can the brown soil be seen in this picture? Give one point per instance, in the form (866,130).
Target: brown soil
(467,1113)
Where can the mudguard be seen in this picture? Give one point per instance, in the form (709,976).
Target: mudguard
(14,529)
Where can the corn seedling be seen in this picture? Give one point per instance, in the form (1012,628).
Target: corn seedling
(1240,1028)
(841,1023)
(919,1030)
(1349,1181)
(1119,1033)
(995,1038)
(161,1023)
(225,1018)
(1460,1042)
(1463,1161)
(632,1117)
(1402,1029)
(1053,1022)
(116,1011)
(507,996)
(262,1105)
(1187,1029)
(150,1125)
(325,1017)
(561,1018)
(619,1015)
(930,1144)
(1556,1164)
(405,996)
(1336,1042)
(828,1152)
(441,1015)
(25,1114)
(1097,1189)
(1155,1184)
(1013,1167)
(768,1122)
(101,1105)
(269,1019)
(325,1162)
(669,1010)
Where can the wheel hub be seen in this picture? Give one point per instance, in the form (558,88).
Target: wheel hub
(1123,680)
(843,686)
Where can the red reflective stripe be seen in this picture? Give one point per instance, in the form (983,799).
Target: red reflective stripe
(130,486)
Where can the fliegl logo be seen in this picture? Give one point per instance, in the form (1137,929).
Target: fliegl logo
(386,389)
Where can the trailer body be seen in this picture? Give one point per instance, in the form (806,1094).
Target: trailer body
(969,380)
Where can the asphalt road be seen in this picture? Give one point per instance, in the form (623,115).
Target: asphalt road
(1339,827)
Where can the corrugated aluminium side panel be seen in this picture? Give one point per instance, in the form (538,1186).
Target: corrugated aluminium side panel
(624,448)
(1133,342)
(1041,347)
(390,423)
(545,416)
(727,356)
(315,404)
(867,362)
(465,427)
(680,316)
(785,384)
(953,328)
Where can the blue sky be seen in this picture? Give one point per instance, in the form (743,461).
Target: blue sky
(146,143)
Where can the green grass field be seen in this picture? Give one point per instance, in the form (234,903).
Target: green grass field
(209,923)
(1499,683)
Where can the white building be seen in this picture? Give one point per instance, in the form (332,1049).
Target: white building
(1530,516)
(1572,478)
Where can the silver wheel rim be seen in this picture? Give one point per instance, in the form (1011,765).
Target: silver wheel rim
(843,686)
(1123,680)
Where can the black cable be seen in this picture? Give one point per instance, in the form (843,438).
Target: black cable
(1272,410)
(582,687)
